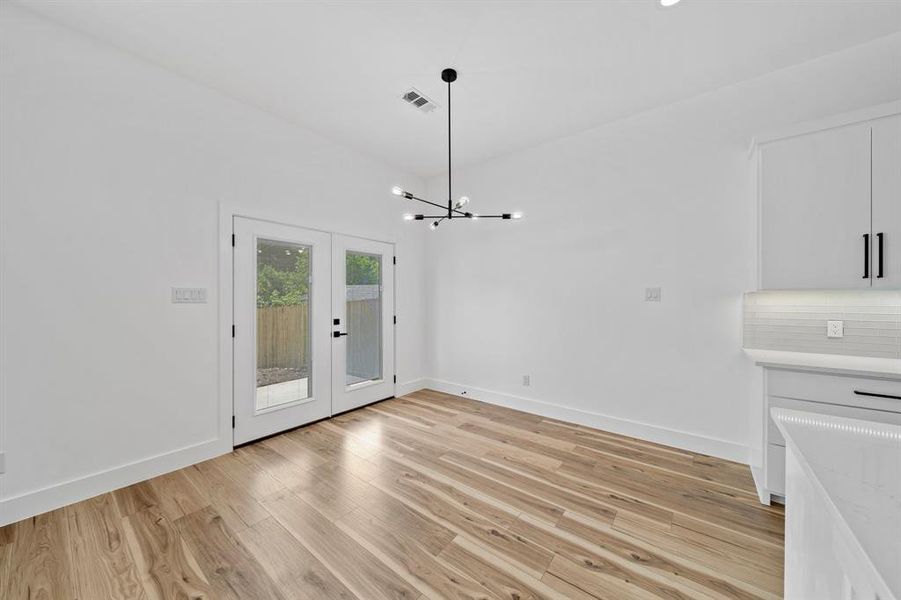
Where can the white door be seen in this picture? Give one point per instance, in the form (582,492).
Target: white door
(887,202)
(282,337)
(815,210)
(363,322)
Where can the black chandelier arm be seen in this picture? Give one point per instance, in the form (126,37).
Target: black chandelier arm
(412,197)
(463,216)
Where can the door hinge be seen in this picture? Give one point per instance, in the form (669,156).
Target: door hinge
(394,260)
(233,331)
(233,240)
(395,379)
(395,319)
(233,421)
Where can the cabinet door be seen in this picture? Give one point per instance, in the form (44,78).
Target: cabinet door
(815,210)
(887,201)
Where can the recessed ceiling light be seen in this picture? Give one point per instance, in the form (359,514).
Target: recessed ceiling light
(667,3)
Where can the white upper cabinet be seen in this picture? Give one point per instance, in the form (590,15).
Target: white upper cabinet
(815,210)
(830,208)
(887,202)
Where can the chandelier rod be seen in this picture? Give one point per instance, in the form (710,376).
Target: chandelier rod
(450,195)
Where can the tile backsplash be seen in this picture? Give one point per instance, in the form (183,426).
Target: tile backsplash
(795,321)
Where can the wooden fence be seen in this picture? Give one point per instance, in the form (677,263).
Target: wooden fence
(282,337)
(283,340)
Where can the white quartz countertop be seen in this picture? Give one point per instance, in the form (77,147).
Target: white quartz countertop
(856,465)
(831,363)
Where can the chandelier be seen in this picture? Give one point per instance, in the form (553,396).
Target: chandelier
(455,210)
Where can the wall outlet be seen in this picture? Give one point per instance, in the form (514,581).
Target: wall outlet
(526,380)
(188,295)
(835,329)
(652,294)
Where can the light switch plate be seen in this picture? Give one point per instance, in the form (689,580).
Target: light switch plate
(835,329)
(652,294)
(188,295)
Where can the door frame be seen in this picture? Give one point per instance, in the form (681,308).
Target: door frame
(225,304)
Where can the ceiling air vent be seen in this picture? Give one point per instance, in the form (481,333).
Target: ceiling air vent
(417,99)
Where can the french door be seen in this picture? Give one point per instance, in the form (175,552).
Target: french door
(363,322)
(314,334)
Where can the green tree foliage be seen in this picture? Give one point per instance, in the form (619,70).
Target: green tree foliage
(283,274)
(363,269)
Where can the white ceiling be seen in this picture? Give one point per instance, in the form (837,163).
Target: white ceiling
(529,71)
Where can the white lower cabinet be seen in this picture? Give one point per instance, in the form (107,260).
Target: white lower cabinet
(865,398)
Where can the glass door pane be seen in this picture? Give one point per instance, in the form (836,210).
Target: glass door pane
(363,274)
(283,349)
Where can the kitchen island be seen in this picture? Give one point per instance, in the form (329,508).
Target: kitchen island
(843,516)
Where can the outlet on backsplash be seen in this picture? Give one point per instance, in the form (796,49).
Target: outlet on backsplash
(856,322)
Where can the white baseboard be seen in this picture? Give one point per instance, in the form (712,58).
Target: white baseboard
(652,433)
(40,501)
(408,387)
(762,493)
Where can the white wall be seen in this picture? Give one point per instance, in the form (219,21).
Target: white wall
(112,175)
(665,198)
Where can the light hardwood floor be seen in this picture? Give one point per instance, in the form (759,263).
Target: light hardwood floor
(425,496)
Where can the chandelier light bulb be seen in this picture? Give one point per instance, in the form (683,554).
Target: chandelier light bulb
(475,216)
(463,201)
(397,190)
(408,217)
(517,215)
(434,225)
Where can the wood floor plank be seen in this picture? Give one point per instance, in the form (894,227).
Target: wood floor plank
(500,492)
(455,516)
(257,482)
(229,499)
(281,469)
(6,561)
(165,566)
(545,491)
(567,589)
(297,453)
(136,497)
(411,560)
(7,534)
(41,561)
(229,566)
(593,488)
(355,566)
(296,572)
(727,560)
(426,496)
(177,495)
(106,568)
(501,578)
(646,559)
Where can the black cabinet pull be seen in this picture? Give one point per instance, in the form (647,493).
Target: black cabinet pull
(338,334)
(866,256)
(879,264)
(875,395)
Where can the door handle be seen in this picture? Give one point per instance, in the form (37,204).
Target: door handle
(338,334)
(866,256)
(879,264)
